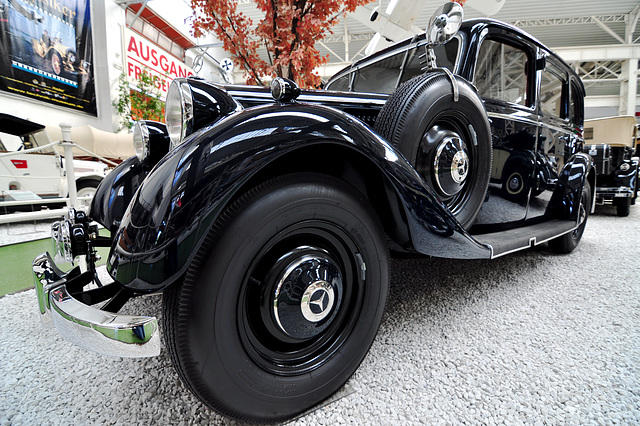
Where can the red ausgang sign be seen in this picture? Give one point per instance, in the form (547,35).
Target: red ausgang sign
(140,54)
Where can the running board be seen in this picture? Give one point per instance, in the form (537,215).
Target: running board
(505,242)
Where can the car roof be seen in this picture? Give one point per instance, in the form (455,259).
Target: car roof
(468,26)
(13,125)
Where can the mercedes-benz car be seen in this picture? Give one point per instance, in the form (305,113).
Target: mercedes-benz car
(611,142)
(269,222)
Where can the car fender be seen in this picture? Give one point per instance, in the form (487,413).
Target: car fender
(176,206)
(115,191)
(565,201)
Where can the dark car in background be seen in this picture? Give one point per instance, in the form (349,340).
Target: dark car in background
(268,224)
(611,141)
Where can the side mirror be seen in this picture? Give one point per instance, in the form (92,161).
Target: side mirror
(444,23)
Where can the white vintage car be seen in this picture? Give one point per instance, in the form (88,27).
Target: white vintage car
(41,173)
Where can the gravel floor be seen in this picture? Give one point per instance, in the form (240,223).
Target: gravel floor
(531,338)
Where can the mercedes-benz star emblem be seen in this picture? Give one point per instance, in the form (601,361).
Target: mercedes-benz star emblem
(317,301)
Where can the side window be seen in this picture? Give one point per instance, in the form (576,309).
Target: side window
(501,72)
(341,84)
(446,57)
(379,77)
(551,91)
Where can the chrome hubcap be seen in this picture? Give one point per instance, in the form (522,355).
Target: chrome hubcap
(514,183)
(451,165)
(307,296)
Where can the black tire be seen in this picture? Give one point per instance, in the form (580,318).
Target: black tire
(448,143)
(635,189)
(568,242)
(623,206)
(253,329)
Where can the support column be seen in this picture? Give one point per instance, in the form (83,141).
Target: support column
(628,87)
(632,87)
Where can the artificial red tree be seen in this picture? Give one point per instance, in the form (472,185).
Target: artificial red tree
(288,31)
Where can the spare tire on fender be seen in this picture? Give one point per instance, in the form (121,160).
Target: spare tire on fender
(448,141)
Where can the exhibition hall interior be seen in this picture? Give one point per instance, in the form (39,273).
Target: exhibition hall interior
(314,212)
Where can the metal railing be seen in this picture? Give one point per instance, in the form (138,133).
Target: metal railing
(71,201)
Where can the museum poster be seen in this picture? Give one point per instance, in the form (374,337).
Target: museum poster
(46,52)
(143,56)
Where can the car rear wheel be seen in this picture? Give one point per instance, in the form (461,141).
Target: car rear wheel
(447,141)
(568,242)
(283,300)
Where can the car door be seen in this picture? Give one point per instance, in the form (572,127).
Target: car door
(556,139)
(503,77)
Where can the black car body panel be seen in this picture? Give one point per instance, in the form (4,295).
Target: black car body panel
(171,214)
(536,130)
(115,191)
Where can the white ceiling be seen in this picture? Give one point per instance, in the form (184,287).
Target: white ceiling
(519,12)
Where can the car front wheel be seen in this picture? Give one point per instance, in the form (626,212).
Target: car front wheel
(283,300)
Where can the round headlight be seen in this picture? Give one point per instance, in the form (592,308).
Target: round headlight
(625,167)
(141,140)
(179,111)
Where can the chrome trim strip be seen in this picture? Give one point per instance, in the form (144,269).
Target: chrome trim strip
(242,94)
(342,99)
(527,121)
(98,331)
(311,98)
(512,118)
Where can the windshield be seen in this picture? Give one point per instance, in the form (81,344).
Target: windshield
(9,142)
(385,74)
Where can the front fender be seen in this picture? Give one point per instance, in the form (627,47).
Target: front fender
(115,191)
(178,203)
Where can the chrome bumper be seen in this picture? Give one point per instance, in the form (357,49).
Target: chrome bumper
(609,193)
(99,331)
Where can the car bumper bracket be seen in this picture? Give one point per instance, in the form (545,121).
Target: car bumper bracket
(86,326)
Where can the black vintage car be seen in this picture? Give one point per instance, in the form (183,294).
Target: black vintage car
(611,142)
(268,224)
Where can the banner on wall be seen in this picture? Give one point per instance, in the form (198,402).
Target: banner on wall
(46,52)
(141,55)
